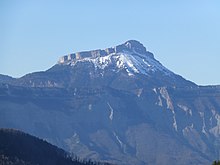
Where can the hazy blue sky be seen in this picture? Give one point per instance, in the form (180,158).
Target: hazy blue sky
(183,35)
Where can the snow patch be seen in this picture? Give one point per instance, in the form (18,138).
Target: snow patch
(129,73)
(146,63)
(174,122)
(111,112)
(155,90)
(117,138)
(122,145)
(203,122)
(90,107)
(132,62)
(139,92)
(75,91)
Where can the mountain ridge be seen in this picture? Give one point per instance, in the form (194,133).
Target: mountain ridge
(97,109)
(130,60)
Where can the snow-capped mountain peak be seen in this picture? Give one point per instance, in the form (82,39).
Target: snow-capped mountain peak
(131,56)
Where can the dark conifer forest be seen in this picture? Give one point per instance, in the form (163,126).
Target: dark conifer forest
(18,148)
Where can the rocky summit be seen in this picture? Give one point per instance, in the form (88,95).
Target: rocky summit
(129,46)
(117,105)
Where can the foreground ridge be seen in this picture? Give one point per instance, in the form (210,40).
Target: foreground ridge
(17,147)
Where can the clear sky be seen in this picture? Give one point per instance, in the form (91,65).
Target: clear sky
(183,35)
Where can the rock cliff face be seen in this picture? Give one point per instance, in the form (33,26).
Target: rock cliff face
(119,105)
(129,46)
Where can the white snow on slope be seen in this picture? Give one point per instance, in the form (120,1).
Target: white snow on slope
(202,115)
(119,141)
(132,62)
(111,112)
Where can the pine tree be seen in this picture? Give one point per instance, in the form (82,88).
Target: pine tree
(216,162)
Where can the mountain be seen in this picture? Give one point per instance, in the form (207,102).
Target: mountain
(5,79)
(18,148)
(119,105)
(130,61)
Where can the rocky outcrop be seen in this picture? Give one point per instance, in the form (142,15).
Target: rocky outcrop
(130,46)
